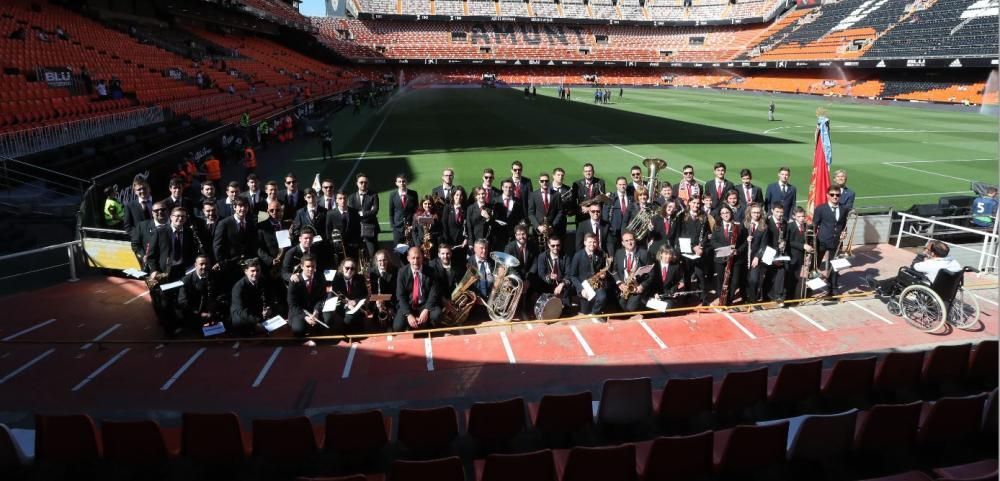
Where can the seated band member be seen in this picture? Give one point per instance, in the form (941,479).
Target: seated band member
(550,272)
(447,272)
(295,253)
(756,229)
(594,225)
(729,233)
(523,250)
(250,304)
(350,285)
(586,263)
(481,261)
(198,299)
(417,296)
(629,259)
(305,300)
(666,279)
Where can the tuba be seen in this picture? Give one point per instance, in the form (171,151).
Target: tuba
(507,289)
(642,224)
(654,165)
(462,300)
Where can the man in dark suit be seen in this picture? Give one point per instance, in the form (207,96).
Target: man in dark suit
(585,264)
(250,304)
(350,284)
(523,250)
(208,195)
(729,233)
(545,208)
(587,188)
(170,252)
(636,181)
(717,187)
(479,217)
(508,210)
(267,237)
(616,212)
(448,274)
(327,196)
(402,205)
(198,299)
(255,197)
(797,248)
(311,215)
(235,240)
(446,190)
(205,226)
(291,197)
(305,300)
(293,256)
(140,208)
(780,192)
(347,221)
(749,193)
(417,296)
(144,234)
(366,203)
(628,259)
(489,191)
(776,237)
(520,186)
(666,278)
(694,225)
(177,199)
(594,225)
(830,220)
(224,207)
(550,271)
(846,194)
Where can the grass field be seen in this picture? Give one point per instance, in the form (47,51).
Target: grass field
(895,156)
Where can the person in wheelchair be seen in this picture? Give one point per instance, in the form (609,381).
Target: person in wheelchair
(923,270)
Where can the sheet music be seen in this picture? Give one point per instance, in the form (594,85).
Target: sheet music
(839,264)
(136,273)
(783,259)
(331,304)
(329,274)
(213,329)
(656,304)
(274,323)
(816,284)
(357,307)
(172,285)
(685,243)
(284,240)
(724,252)
(587,292)
(768,257)
(646,269)
(317,238)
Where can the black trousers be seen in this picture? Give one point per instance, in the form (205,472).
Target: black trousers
(827,251)
(735,279)
(755,279)
(634,303)
(595,305)
(400,324)
(327,149)
(697,269)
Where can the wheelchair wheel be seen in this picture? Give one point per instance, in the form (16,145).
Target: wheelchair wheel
(964,312)
(922,308)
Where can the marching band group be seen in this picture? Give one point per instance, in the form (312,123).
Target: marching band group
(276,250)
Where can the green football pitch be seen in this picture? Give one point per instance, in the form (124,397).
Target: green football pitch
(895,156)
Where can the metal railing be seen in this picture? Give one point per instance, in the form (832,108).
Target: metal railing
(988,251)
(26,142)
(71,252)
(15,173)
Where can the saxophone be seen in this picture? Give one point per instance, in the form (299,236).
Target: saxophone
(462,300)
(597,280)
(642,224)
(631,285)
(426,244)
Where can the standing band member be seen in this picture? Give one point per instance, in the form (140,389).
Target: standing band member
(729,233)
(402,205)
(366,203)
(830,220)
(756,241)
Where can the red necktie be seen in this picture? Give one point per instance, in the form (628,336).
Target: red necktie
(555,267)
(545,202)
(628,262)
(666,227)
(309,286)
(590,190)
(718,190)
(747,190)
(458,215)
(517,190)
(524,259)
(663,274)
(488,194)
(402,200)
(416,289)
(623,205)
(801,231)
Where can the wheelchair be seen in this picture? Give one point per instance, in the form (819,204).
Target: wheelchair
(926,305)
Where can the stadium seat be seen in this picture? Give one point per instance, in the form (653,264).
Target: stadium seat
(885,434)
(685,405)
(985,470)
(353,477)
(746,451)
(67,440)
(983,365)
(849,383)
(950,425)
(907,476)
(534,466)
(944,370)
(740,396)
(137,443)
(675,457)
(444,469)
(820,444)
(358,439)
(12,459)
(290,441)
(597,464)
(214,439)
(427,432)
(625,405)
(494,424)
(897,376)
(795,387)
(558,417)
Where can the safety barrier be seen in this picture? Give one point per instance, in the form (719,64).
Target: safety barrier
(26,142)
(930,229)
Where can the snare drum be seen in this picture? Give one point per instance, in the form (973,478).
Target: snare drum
(548,307)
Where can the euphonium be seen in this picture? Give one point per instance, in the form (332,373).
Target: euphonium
(462,300)
(642,224)
(507,289)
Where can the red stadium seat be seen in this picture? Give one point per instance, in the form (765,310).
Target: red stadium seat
(67,440)
(897,376)
(983,366)
(746,451)
(944,369)
(626,406)
(428,432)
(445,469)
(597,464)
(562,415)
(821,444)
(675,457)
(885,434)
(138,443)
(493,423)
(740,396)
(684,405)
(214,439)
(284,441)
(950,424)
(849,383)
(535,466)
(796,386)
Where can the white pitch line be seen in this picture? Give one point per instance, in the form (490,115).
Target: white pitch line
(267,367)
(810,321)
(357,162)
(652,334)
(136,298)
(506,347)
(737,324)
(926,172)
(911,195)
(936,161)
(27,365)
(177,375)
(32,328)
(100,336)
(429,353)
(350,361)
(581,340)
(987,300)
(863,308)
(623,149)
(101,369)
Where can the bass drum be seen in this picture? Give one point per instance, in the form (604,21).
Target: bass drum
(548,307)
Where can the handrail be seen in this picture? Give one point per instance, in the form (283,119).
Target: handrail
(70,247)
(988,253)
(39,250)
(38,139)
(43,169)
